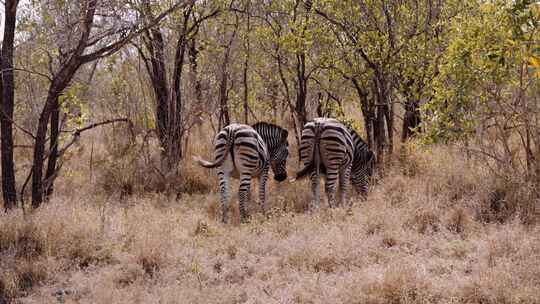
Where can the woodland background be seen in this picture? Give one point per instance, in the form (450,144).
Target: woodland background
(103,103)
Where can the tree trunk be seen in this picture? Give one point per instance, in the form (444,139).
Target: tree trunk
(379,132)
(53,149)
(175,106)
(389,117)
(169,106)
(367,112)
(59,83)
(9,192)
(39,150)
(247,47)
(301,94)
(412,118)
(194,75)
(224,118)
(158,75)
(246,89)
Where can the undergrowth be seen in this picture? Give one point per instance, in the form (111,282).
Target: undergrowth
(438,228)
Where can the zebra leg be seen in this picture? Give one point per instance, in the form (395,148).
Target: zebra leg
(316,191)
(224,193)
(244,195)
(262,189)
(344,176)
(330,186)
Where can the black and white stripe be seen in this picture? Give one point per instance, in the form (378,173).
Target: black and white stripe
(326,148)
(242,152)
(276,142)
(363,165)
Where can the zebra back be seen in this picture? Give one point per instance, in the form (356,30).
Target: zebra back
(273,136)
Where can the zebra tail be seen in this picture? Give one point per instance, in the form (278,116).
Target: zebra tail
(205,163)
(218,162)
(305,171)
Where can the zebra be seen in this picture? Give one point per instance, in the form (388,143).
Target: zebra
(246,152)
(326,147)
(363,165)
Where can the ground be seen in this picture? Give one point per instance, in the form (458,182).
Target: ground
(436,229)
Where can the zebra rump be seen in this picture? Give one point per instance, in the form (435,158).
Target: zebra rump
(326,147)
(245,152)
(311,137)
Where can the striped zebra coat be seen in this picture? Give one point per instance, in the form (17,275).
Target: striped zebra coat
(363,165)
(326,148)
(246,152)
(339,152)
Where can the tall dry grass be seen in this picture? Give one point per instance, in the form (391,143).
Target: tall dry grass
(439,228)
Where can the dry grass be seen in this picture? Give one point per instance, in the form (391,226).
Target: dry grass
(430,232)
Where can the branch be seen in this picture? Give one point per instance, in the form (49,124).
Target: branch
(197,22)
(61,152)
(11,121)
(494,157)
(134,32)
(78,132)
(27,71)
(344,28)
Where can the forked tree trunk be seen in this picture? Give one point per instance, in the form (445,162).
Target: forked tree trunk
(176,107)
(168,95)
(39,144)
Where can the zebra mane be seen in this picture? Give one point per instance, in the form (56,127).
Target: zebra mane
(353,132)
(262,124)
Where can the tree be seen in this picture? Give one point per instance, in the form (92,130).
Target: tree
(7,86)
(487,90)
(374,36)
(168,95)
(287,34)
(91,39)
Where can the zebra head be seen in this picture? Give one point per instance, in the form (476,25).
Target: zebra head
(278,147)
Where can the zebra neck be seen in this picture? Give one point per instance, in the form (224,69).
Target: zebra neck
(271,144)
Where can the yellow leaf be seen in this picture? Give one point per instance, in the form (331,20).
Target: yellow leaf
(533,61)
(538,74)
(510,42)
